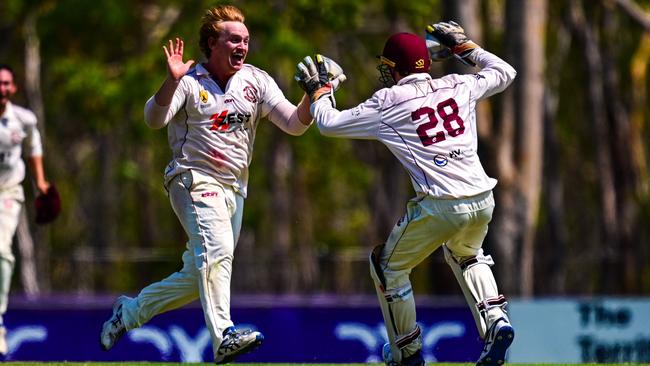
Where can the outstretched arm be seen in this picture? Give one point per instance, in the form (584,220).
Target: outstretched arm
(158,106)
(36,168)
(176,69)
(291,119)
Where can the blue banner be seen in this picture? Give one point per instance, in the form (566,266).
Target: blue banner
(293,333)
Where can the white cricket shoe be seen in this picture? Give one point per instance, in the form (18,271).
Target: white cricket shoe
(113,329)
(3,341)
(497,340)
(237,342)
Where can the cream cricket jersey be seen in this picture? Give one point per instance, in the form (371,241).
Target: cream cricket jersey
(17,126)
(428,124)
(213,130)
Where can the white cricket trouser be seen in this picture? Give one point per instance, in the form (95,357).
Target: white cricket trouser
(429,223)
(11,202)
(211,215)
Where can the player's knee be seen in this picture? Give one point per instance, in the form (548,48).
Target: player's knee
(384,277)
(462,250)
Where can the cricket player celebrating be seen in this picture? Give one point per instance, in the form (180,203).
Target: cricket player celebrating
(211,112)
(17,130)
(430,126)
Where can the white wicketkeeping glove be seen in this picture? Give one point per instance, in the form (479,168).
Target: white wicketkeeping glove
(319,79)
(452,36)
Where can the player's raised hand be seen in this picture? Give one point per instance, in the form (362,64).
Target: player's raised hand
(176,68)
(319,78)
(453,36)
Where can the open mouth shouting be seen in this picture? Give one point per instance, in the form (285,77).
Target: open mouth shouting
(237,58)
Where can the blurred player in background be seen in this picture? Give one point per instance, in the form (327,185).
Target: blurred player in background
(17,130)
(429,125)
(211,112)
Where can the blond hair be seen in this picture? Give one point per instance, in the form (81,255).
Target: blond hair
(210,24)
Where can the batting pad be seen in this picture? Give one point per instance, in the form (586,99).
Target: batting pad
(479,287)
(398,309)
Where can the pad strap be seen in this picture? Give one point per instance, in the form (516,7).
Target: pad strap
(407,339)
(472,261)
(485,305)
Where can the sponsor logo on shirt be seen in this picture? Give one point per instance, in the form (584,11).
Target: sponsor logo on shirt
(459,154)
(225,122)
(440,160)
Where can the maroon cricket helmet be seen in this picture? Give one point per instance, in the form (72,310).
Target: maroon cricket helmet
(407,53)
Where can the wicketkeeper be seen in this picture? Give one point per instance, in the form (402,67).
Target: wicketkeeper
(430,126)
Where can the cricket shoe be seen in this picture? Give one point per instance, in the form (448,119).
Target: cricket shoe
(498,339)
(237,342)
(412,360)
(113,329)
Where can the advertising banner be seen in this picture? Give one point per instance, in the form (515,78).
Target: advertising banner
(606,330)
(293,333)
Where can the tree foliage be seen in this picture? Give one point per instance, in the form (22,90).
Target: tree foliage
(318,205)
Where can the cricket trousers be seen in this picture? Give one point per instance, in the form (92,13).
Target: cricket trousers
(211,215)
(11,202)
(460,224)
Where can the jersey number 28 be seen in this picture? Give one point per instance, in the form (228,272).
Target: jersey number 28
(448,112)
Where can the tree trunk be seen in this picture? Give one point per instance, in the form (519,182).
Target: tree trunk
(623,144)
(520,148)
(35,100)
(610,245)
(530,126)
(505,232)
(553,254)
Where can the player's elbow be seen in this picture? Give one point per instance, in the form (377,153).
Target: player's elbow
(326,129)
(510,73)
(154,123)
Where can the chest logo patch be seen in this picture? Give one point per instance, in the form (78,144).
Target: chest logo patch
(203,96)
(250,93)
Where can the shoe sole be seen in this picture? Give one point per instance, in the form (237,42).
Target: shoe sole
(247,349)
(497,354)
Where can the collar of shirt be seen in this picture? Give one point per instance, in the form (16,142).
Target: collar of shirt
(414,78)
(201,71)
(8,110)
